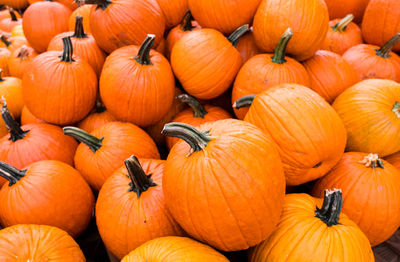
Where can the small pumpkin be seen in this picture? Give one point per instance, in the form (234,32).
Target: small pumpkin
(83,11)
(7,24)
(20,59)
(340,8)
(99,117)
(28,118)
(4,55)
(173,11)
(11,90)
(247,46)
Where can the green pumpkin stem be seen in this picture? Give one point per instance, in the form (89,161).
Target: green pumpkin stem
(5,40)
(186,24)
(143,56)
(235,36)
(140,181)
(245,101)
(330,211)
(198,109)
(12,174)
(103,4)
(280,50)
(82,136)
(68,50)
(198,140)
(13,15)
(16,133)
(79,31)
(342,25)
(396,109)
(385,50)
(373,161)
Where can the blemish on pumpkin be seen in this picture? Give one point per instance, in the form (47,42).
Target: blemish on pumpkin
(317,165)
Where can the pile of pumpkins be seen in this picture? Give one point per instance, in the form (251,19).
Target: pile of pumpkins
(249,98)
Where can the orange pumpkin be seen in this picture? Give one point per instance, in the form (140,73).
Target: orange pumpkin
(17,4)
(7,24)
(28,118)
(247,46)
(14,42)
(173,11)
(11,90)
(20,59)
(340,8)
(264,71)
(99,117)
(71,4)
(223,194)
(4,55)
(394,160)
(84,11)
(6,14)
(133,83)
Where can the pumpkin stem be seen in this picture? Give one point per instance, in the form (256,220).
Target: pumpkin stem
(140,181)
(372,160)
(82,136)
(143,56)
(12,14)
(235,36)
(280,50)
(103,4)
(23,53)
(12,174)
(198,109)
(68,50)
(245,101)
(79,31)
(342,25)
(186,24)
(396,109)
(330,211)
(385,50)
(100,108)
(198,140)
(16,133)
(5,40)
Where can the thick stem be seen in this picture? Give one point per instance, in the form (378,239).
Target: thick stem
(245,101)
(342,25)
(280,50)
(198,140)
(198,109)
(373,161)
(12,174)
(140,181)
(79,31)
(12,14)
(92,142)
(330,211)
(186,24)
(235,36)
(16,133)
(68,50)
(5,40)
(143,56)
(103,4)
(387,48)
(396,109)
(23,53)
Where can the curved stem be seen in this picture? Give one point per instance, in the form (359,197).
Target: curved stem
(79,31)
(140,181)
(23,53)
(143,56)
(342,25)
(330,211)
(198,109)
(12,14)
(12,174)
(82,136)
(235,36)
(198,140)
(5,40)
(103,4)
(16,133)
(186,24)
(245,101)
(68,50)
(385,50)
(280,50)
(372,160)
(396,109)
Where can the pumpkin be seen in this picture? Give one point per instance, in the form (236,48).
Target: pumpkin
(171,249)
(371,61)
(135,188)
(71,4)
(264,71)
(14,42)
(58,196)
(381,22)
(105,156)
(99,117)
(330,74)
(370,110)
(273,18)
(224,16)
(162,47)
(6,14)
(311,137)
(342,35)
(134,81)
(83,44)
(314,230)
(20,59)
(4,55)
(173,11)
(247,46)
(42,21)
(394,160)
(17,4)
(28,118)
(205,62)
(7,24)
(83,11)
(196,115)
(38,243)
(363,177)
(11,90)
(58,87)
(17,31)
(3,129)
(340,8)
(222,193)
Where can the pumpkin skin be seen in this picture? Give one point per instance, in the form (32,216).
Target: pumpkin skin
(210,169)
(17,4)
(38,243)
(138,215)
(6,14)
(360,182)
(96,120)
(370,112)
(340,8)
(11,90)
(42,21)
(330,74)
(313,139)
(170,249)
(20,59)
(4,55)
(394,160)
(17,31)
(247,46)
(381,22)
(173,11)
(301,236)
(7,24)
(68,3)
(28,118)
(16,42)
(309,29)
(83,11)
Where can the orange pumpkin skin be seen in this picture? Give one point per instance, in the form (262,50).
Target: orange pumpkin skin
(17,4)
(68,3)
(381,22)
(313,139)
(216,189)
(309,29)
(7,24)
(84,11)
(11,90)
(4,55)
(340,8)
(378,219)
(117,202)
(28,118)
(171,249)
(16,42)
(38,243)
(37,28)
(173,11)
(20,59)
(17,31)
(247,47)
(394,160)
(301,236)
(330,74)
(6,14)
(96,120)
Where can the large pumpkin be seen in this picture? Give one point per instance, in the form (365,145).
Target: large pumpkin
(173,11)
(340,8)
(20,59)
(219,177)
